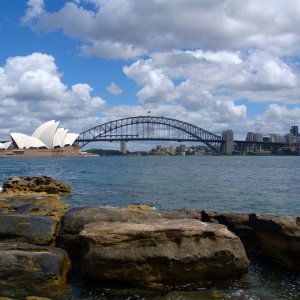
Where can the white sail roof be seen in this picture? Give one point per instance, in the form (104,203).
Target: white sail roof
(46,135)
(5,145)
(24,141)
(70,138)
(39,131)
(59,137)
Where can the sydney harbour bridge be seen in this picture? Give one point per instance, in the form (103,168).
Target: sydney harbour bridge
(151,128)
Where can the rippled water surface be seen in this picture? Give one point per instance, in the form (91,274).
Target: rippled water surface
(240,184)
(244,184)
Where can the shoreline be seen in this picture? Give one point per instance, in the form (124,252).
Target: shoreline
(78,238)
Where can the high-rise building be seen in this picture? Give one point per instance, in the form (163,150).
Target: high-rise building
(250,137)
(172,150)
(294,130)
(258,137)
(254,137)
(290,139)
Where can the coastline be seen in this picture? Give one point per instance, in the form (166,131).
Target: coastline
(67,151)
(272,237)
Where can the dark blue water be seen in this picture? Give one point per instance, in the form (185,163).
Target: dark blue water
(240,184)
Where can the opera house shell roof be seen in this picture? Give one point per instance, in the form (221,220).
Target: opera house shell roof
(47,135)
(5,145)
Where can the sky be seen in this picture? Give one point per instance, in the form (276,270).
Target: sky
(216,64)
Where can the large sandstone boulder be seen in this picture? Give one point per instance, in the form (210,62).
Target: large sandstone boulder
(30,219)
(49,206)
(27,270)
(279,238)
(161,252)
(29,185)
(39,230)
(238,223)
(75,219)
(276,237)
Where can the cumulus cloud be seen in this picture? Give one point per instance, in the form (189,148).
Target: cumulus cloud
(275,119)
(210,85)
(33,12)
(114,89)
(31,91)
(203,77)
(129,28)
(192,60)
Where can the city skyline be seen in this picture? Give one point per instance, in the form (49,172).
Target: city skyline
(218,65)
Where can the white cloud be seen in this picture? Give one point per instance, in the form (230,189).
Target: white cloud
(203,86)
(130,28)
(32,92)
(276,119)
(156,86)
(33,12)
(114,89)
(203,77)
(191,60)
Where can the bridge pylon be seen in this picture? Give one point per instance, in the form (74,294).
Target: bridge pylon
(228,145)
(123,147)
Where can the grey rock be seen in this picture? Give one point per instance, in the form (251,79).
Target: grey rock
(279,238)
(27,270)
(34,229)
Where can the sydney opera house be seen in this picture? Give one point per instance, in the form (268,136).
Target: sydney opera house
(47,140)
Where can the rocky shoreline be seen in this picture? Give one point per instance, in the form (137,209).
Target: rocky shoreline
(42,241)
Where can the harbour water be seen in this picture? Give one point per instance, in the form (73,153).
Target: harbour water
(230,184)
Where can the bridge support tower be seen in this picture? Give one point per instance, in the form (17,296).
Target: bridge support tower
(123,147)
(228,146)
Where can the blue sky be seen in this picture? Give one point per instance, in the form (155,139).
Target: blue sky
(217,64)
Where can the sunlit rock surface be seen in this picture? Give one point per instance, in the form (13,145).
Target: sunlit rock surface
(161,252)
(49,206)
(75,219)
(42,184)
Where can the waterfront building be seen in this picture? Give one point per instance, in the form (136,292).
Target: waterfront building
(250,137)
(276,138)
(267,139)
(258,137)
(46,140)
(182,149)
(254,137)
(294,130)
(290,139)
(46,136)
(172,150)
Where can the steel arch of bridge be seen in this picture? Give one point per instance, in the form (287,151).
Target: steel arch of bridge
(105,132)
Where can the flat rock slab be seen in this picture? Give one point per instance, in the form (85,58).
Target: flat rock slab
(161,252)
(27,270)
(41,184)
(34,229)
(48,206)
(279,238)
(75,220)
